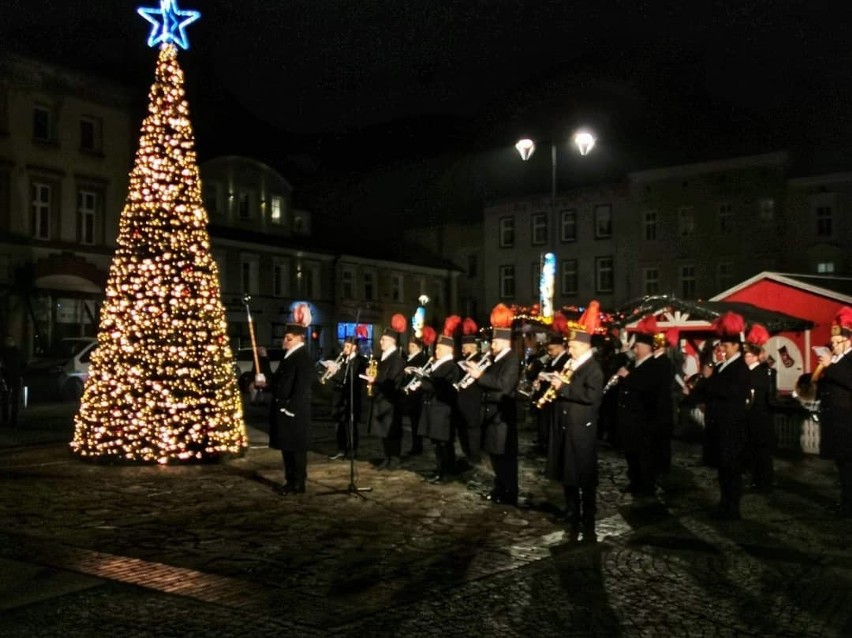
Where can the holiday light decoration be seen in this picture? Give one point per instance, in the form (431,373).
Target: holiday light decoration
(168,23)
(161,386)
(546,286)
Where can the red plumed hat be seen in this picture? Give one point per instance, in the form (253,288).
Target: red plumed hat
(672,337)
(469,330)
(452,325)
(587,324)
(560,324)
(730,327)
(398,324)
(646,329)
(501,322)
(843,322)
(757,336)
(429,335)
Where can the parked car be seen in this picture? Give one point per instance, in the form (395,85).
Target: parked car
(244,363)
(60,375)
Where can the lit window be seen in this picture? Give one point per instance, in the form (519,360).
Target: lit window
(276,210)
(825,267)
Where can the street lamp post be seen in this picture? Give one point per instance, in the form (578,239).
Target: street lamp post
(584,141)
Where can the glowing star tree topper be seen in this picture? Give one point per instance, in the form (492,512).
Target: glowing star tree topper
(161,385)
(168,23)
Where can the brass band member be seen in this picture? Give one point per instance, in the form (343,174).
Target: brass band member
(834,391)
(439,402)
(637,389)
(412,403)
(761,423)
(727,393)
(385,413)
(499,383)
(557,357)
(348,386)
(469,399)
(572,454)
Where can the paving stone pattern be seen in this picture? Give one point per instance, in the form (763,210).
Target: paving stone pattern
(210,550)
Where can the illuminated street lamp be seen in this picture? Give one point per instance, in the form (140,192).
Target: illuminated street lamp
(584,140)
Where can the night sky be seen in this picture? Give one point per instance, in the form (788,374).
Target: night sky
(400,107)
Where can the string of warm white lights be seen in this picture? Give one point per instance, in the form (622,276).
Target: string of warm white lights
(161,385)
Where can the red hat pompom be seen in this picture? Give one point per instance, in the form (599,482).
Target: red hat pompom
(429,335)
(591,317)
(729,324)
(469,326)
(398,323)
(758,335)
(452,324)
(560,324)
(647,325)
(501,316)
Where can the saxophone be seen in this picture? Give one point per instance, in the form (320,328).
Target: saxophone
(372,370)
(550,394)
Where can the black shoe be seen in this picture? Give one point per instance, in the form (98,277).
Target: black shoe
(385,464)
(393,463)
(414,452)
(435,478)
(283,490)
(502,499)
(298,488)
(337,456)
(589,536)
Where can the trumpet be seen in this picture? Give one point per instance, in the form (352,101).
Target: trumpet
(372,370)
(417,378)
(550,394)
(467,380)
(331,368)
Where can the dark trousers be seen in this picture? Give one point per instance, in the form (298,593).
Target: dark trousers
(544,419)
(415,410)
(295,467)
(844,475)
(640,470)
(470,439)
(9,403)
(730,472)
(662,444)
(445,457)
(581,505)
(342,434)
(762,471)
(505,468)
(392,447)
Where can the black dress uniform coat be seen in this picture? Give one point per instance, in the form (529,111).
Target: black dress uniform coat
(439,401)
(386,417)
(761,424)
(348,384)
(638,398)
(499,384)
(545,415)
(572,453)
(469,414)
(834,391)
(294,377)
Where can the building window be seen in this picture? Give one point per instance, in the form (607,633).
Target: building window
(507,282)
(472,266)
(767,210)
(281,278)
(687,282)
(685,221)
(603,274)
(603,221)
(301,224)
(87,206)
(507,232)
(651,281)
(276,209)
(41,201)
(726,219)
(211,193)
(243,205)
(650,225)
(568,225)
(369,285)
(724,275)
(397,287)
(538,229)
(249,274)
(308,277)
(824,221)
(825,267)
(91,134)
(568,278)
(42,124)
(347,284)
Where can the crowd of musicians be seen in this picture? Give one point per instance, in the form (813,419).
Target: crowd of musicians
(451,390)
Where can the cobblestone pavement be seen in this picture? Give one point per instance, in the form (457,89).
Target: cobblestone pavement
(210,550)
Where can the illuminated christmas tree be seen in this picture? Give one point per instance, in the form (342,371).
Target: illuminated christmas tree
(161,386)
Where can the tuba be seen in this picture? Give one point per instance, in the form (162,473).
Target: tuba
(372,370)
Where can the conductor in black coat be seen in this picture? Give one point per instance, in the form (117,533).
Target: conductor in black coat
(727,394)
(386,413)
(761,424)
(346,398)
(291,409)
(499,384)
